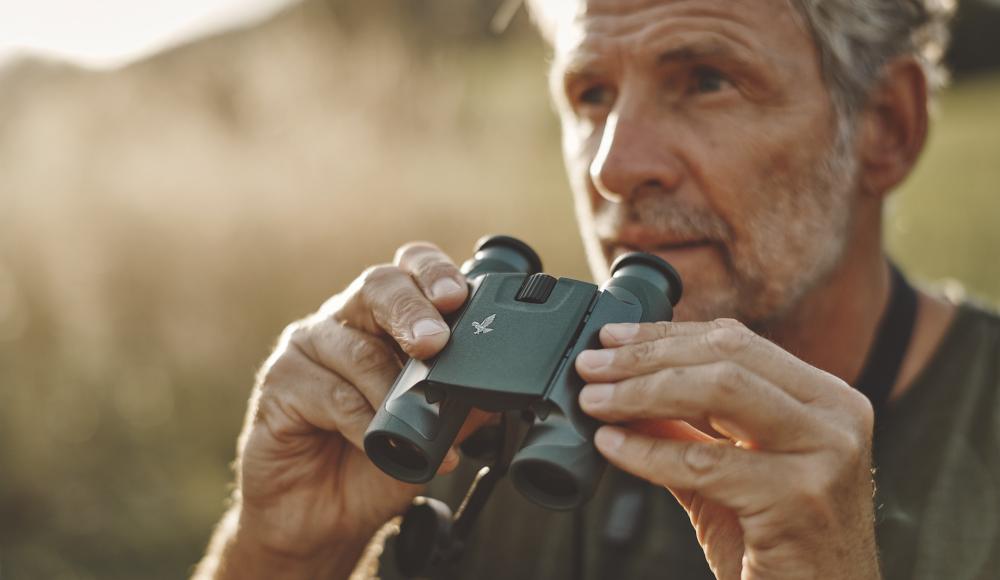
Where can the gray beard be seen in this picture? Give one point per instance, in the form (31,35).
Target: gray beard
(792,243)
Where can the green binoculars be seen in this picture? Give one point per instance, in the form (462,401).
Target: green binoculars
(512,349)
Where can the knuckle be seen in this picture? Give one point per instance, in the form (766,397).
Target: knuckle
(703,458)
(862,411)
(662,328)
(407,306)
(267,405)
(413,250)
(633,393)
(635,354)
(433,270)
(286,361)
(728,323)
(849,444)
(728,340)
(646,453)
(348,401)
(277,370)
(375,277)
(296,333)
(365,355)
(813,493)
(271,412)
(729,380)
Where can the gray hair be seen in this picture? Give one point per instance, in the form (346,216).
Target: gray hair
(855,40)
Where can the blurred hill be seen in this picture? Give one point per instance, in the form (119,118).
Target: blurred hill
(160,224)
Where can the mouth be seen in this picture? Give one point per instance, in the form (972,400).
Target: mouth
(670,248)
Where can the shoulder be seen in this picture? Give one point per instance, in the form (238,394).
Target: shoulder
(970,356)
(977,322)
(963,373)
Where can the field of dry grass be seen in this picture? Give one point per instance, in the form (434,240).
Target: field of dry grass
(159,225)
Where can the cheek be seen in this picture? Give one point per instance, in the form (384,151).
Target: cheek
(752,180)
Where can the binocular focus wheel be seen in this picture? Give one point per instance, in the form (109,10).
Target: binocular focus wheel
(425,537)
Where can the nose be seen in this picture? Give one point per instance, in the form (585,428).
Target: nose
(633,157)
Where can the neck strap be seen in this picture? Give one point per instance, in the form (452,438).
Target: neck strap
(885,357)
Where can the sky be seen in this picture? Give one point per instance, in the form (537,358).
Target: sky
(110,33)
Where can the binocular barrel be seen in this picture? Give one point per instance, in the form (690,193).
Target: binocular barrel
(558,467)
(499,254)
(412,430)
(651,280)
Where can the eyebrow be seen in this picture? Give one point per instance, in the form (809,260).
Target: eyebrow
(700,50)
(579,64)
(589,63)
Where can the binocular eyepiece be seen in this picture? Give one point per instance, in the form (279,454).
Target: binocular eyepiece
(512,348)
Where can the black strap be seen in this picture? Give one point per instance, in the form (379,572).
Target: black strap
(625,522)
(885,357)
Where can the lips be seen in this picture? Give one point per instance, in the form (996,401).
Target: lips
(617,247)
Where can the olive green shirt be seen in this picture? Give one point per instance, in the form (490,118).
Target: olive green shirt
(937,457)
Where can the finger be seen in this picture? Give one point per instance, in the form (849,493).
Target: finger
(435,273)
(450,462)
(743,480)
(729,341)
(477,418)
(618,334)
(359,358)
(371,366)
(385,299)
(733,400)
(297,397)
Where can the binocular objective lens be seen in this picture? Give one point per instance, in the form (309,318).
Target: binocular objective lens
(553,483)
(401,452)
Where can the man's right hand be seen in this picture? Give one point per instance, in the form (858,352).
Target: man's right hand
(308,497)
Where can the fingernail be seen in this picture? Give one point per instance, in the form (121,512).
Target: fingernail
(622,332)
(428,327)
(593,395)
(445,287)
(609,438)
(595,359)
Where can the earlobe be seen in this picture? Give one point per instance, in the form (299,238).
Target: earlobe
(893,127)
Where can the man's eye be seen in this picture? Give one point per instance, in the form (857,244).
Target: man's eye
(598,95)
(708,80)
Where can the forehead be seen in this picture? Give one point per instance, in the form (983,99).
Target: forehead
(771,27)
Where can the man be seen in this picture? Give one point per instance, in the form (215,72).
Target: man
(752,144)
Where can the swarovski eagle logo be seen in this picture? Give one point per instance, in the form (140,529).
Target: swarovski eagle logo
(484,326)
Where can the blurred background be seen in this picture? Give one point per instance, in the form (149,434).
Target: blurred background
(179,180)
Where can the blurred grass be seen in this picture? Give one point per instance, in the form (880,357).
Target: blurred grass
(945,224)
(156,235)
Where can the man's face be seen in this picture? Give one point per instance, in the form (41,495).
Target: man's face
(701,131)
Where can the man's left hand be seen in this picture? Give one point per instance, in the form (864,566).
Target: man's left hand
(787,491)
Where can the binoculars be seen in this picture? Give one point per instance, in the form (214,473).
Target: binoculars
(512,351)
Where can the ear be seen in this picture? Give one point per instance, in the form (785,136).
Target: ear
(893,127)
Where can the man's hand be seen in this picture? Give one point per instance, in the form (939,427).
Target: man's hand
(788,492)
(308,498)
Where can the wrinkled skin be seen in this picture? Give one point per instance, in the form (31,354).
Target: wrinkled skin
(785,491)
(702,131)
(308,497)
